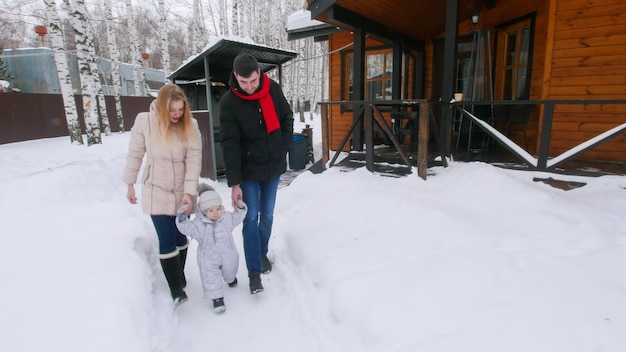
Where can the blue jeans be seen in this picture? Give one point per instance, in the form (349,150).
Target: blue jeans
(260,197)
(169,236)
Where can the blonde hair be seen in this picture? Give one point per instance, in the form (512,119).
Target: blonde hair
(168,94)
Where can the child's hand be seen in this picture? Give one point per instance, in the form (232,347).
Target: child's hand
(181,214)
(182,217)
(241,204)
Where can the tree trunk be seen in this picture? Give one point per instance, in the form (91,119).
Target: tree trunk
(92,125)
(197,41)
(115,65)
(235,18)
(65,79)
(224,30)
(95,71)
(136,60)
(165,49)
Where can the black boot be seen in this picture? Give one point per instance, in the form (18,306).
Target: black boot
(255,283)
(171,269)
(218,305)
(183,258)
(266,265)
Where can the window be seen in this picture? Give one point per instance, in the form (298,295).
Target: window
(463,64)
(378,69)
(513,68)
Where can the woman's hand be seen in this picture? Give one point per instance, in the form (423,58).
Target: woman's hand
(130,194)
(186,203)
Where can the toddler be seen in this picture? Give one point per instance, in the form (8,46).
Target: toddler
(212,227)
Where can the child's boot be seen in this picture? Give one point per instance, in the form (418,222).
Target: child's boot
(218,305)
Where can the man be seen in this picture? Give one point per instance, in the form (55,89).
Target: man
(256,131)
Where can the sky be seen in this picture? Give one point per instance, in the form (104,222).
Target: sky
(475,258)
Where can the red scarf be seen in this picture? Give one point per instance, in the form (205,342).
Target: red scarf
(267,104)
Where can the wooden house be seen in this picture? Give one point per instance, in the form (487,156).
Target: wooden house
(564,59)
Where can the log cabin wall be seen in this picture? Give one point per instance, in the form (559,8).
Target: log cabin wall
(588,61)
(340,121)
(578,53)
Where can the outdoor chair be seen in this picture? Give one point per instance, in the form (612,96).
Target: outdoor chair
(404,123)
(513,118)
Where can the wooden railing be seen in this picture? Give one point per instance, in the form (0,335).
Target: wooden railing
(541,162)
(369,114)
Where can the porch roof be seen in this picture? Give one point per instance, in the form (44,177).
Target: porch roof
(417,20)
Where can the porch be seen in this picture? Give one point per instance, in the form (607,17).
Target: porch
(384,151)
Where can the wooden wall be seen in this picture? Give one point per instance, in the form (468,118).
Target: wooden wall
(579,53)
(340,122)
(588,61)
(29,116)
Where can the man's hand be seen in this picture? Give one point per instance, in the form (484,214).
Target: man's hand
(236,195)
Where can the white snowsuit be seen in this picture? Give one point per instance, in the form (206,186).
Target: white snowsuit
(218,257)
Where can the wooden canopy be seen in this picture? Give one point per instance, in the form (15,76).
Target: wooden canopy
(408,21)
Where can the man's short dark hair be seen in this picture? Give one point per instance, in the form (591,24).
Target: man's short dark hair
(245,64)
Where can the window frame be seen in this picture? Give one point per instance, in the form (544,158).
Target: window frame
(502,67)
(345,94)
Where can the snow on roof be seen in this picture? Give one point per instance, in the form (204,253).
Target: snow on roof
(302,19)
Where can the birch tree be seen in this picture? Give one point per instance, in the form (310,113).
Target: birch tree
(65,79)
(235,18)
(94,67)
(264,23)
(224,30)
(302,77)
(137,63)
(115,65)
(252,20)
(277,25)
(92,125)
(197,41)
(165,49)
(244,15)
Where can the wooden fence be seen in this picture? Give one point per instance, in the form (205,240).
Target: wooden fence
(26,117)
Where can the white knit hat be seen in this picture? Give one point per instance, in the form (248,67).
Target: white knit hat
(208,198)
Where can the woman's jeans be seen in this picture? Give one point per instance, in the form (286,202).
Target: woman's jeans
(169,236)
(260,198)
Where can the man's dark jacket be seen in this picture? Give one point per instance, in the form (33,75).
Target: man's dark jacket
(250,153)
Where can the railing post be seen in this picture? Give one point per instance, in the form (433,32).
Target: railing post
(422,141)
(325,136)
(369,138)
(544,140)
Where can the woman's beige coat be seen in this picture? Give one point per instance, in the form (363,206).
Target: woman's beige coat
(170,171)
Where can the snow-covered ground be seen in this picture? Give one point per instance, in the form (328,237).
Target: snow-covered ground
(475,259)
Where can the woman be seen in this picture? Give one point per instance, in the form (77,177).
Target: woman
(170,138)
